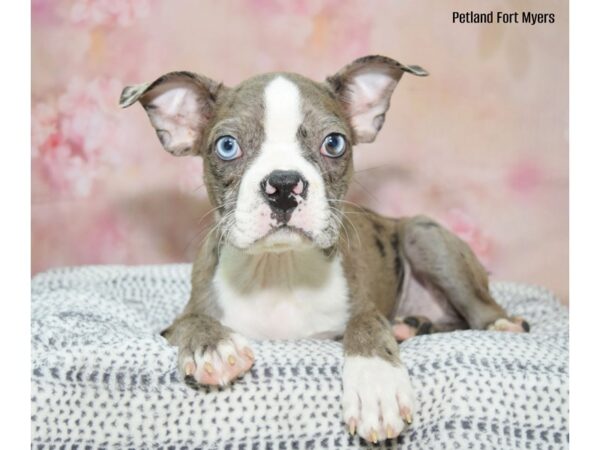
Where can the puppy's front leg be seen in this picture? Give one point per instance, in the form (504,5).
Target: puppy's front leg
(208,351)
(378,399)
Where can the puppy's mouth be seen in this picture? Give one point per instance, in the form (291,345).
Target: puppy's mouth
(276,218)
(281,239)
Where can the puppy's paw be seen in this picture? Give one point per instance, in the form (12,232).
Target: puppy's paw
(216,364)
(514,324)
(378,400)
(406,327)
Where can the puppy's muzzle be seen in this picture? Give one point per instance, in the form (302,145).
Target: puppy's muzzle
(283,189)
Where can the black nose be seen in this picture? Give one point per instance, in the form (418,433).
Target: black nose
(281,189)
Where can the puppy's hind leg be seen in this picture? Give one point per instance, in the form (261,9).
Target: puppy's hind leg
(442,262)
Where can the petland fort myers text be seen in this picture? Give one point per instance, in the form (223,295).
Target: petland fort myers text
(531,18)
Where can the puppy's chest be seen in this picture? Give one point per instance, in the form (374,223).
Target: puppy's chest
(282,296)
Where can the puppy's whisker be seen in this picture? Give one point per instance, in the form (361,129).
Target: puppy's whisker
(345,228)
(222,233)
(218,226)
(229,231)
(356,232)
(341,223)
(223,205)
(201,231)
(366,191)
(206,215)
(225,230)
(369,168)
(362,208)
(345,217)
(198,188)
(345,214)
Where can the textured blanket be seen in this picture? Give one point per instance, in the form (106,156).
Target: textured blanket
(102,377)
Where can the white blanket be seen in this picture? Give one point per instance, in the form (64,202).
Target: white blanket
(102,377)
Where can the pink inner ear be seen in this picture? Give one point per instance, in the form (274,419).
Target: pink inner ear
(370,94)
(174,110)
(370,87)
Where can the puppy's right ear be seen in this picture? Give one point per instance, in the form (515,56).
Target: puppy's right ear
(179,105)
(364,88)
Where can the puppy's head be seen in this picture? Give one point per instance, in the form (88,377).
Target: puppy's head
(277,148)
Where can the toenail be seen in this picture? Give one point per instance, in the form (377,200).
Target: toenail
(389,432)
(374,437)
(352,427)
(189,368)
(231,360)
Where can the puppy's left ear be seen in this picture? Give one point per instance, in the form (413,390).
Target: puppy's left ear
(364,87)
(179,105)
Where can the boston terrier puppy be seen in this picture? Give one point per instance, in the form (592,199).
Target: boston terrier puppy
(288,257)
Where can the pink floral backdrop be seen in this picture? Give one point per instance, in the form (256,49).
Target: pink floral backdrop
(481,144)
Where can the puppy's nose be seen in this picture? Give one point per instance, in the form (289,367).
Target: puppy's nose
(281,187)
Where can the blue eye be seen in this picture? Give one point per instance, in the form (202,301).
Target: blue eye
(334,145)
(227,148)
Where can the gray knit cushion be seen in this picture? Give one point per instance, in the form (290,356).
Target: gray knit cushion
(102,377)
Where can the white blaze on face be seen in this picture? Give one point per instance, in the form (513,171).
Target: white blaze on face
(280,151)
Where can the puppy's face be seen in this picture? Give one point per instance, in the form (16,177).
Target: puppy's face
(278,158)
(277,149)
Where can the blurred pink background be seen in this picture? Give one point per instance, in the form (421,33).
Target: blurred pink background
(481,144)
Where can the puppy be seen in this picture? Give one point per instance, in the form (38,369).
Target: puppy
(288,258)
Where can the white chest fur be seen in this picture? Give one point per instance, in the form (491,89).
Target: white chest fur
(288,295)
